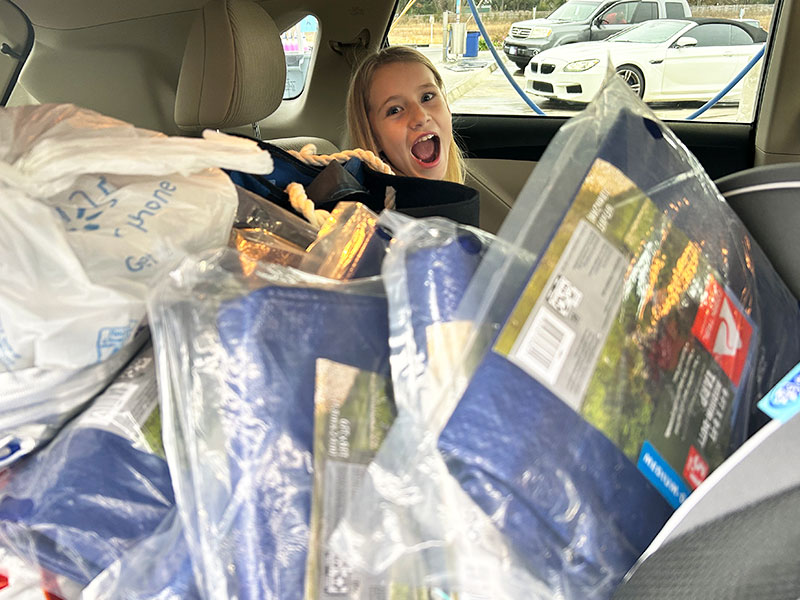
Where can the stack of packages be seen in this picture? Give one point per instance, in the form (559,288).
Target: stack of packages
(401,408)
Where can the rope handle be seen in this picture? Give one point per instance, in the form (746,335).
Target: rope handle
(308,154)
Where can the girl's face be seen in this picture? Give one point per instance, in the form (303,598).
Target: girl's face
(410,119)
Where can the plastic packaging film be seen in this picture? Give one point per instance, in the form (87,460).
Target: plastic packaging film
(618,362)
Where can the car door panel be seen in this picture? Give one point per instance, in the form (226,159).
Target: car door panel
(502,151)
(693,71)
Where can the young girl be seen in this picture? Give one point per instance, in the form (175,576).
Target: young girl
(396,107)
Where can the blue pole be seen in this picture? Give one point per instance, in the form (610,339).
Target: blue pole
(728,87)
(499,61)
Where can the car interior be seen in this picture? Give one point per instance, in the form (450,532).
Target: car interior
(182,66)
(126,61)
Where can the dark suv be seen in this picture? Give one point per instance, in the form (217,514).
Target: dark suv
(584,20)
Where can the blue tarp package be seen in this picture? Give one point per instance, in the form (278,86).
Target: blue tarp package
(158,567)
(626,361)
(240,361)
(98,488)
(409,517)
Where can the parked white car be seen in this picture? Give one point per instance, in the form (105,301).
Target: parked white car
(662,60)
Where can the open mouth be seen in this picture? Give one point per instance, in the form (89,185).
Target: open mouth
(427,149)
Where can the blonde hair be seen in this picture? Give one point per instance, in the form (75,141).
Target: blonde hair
(358,126)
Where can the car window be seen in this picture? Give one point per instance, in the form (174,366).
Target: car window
(479,82)
(298,46)
(644,12)
(572,11)
(674,10)
(620,13)
(16,40)
(711,34)
(652,32)
(739,37)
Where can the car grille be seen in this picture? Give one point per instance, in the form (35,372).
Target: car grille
(534,67)
(547,68)
(520,32)
(541,86)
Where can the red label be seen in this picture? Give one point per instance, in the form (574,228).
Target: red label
(696,468)
(3,581)
(723,330)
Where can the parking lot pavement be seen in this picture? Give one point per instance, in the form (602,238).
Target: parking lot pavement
(460,75)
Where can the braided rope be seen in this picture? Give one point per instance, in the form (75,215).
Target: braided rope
(308,154)
(305,206)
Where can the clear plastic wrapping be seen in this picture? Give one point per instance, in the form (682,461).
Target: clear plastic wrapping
(97,489)
(409,517)
(620,331)
(255,212)
(626,361)
(350,244)
(239,363)
(159,567)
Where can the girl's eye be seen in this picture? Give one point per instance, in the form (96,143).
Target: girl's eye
(393,110)
(428,96)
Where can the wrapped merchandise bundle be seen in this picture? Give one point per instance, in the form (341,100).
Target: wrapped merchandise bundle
(100,486)
(621,333)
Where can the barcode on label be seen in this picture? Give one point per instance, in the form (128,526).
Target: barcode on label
(336,575)
(545,346)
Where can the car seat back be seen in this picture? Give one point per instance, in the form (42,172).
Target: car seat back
(766,199)
(233,71)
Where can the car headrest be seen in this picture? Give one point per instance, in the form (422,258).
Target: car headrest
(234,69)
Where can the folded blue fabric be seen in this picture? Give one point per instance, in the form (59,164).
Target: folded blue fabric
(84,500)
(277,334)
(437,278)
(574,507)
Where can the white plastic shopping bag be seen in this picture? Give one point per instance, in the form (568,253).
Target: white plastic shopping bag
(91,211)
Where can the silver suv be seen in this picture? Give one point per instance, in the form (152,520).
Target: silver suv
(584,20)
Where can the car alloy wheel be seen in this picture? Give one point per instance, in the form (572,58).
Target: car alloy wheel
(633,77)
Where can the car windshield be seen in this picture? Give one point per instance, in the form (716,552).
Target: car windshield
(572,11)
(650,32)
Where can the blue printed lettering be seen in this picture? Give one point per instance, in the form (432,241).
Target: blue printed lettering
(160,197)
(134,264)
(101,185)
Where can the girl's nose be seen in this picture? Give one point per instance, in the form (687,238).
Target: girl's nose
(419,116)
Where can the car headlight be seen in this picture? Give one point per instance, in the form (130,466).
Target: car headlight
(581,65)
(540,32)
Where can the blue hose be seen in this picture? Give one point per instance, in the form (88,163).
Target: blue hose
(499,61)
(728,87)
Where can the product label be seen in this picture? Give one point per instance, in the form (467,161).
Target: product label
(129,406)
(353,411)
(626,322)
